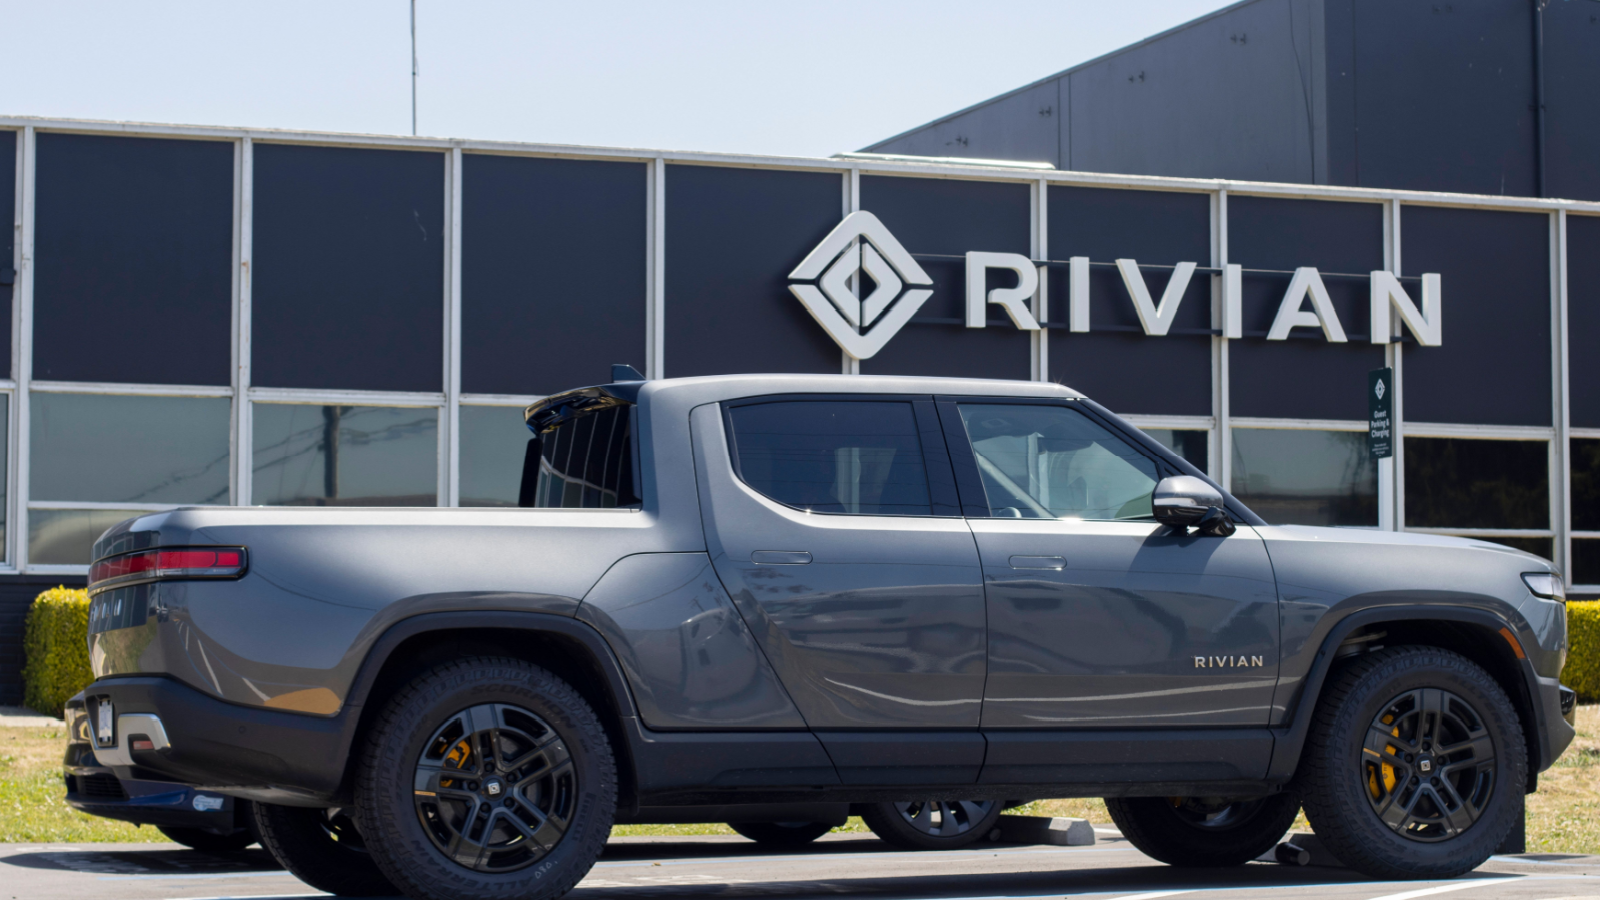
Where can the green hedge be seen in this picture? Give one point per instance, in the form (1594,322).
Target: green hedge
(56,644)
(1582,673)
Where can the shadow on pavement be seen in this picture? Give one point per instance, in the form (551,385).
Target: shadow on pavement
(155,861)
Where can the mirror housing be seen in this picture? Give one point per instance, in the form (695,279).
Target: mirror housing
(1182,501)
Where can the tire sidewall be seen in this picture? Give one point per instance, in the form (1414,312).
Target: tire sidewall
(1374,691)
(400,844)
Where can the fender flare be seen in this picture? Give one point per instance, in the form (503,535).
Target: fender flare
(1290,740)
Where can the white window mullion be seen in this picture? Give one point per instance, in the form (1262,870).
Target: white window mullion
(1221,442)
(22,329)
(450,415)
(244,230)
(1561,447)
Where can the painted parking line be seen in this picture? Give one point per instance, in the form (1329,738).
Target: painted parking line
(186,876)
(845,856)
(1447,888)
(300,896)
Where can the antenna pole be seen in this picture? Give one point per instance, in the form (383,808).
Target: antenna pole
(413,68)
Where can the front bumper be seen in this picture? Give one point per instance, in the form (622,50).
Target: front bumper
(1557,719)
(221,746)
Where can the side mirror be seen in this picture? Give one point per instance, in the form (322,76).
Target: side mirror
(1182,501)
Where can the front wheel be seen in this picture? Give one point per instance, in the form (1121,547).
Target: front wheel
(321,847)
(487,778)
(932,824)
(1414,764)
(1204,832)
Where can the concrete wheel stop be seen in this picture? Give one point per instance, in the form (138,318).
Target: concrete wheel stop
(1062,832)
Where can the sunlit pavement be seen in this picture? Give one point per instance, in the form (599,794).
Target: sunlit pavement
(838,866)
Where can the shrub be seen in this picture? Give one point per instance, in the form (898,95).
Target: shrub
(56,647)
(1582,673)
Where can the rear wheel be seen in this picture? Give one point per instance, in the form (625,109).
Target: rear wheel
(321,847)
(932,824)
(1207,832)
(781,834)
(1414,765)
(487,778)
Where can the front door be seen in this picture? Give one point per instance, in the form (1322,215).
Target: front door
(833,523)
(1099,617)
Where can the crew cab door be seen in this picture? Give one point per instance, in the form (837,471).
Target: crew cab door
(834,525)
(1099,617)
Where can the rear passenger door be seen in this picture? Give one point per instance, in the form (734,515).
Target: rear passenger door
(1099,617)
(833,522)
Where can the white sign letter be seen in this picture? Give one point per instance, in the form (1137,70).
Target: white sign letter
(1156,319)
(1078,300)
(1013,300)
(1232,301)
(1306,281)
(1386,291)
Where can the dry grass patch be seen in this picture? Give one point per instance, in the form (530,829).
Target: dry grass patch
(33,798)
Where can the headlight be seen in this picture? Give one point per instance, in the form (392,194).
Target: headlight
(1546,585)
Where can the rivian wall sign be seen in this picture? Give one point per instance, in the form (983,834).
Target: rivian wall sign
(863,325)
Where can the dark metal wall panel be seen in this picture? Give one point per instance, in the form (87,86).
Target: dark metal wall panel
(1021,126)
(552,272)
(1116,363)
(348,288)
(1304,377)
(945,216)
(1572,105)
(8,202)
(733,236)
(1494,365)
(133,249)
(1229,96)
(1583,320)
(1340,77)
(16,596)
(1444,93)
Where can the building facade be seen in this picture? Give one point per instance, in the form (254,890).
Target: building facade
(235,316)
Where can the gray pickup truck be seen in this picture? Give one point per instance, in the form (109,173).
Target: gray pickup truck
(777,597)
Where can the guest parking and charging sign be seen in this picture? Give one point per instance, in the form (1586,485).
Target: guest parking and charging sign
(1380,419)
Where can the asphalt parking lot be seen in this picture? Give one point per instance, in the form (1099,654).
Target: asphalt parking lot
(838,866)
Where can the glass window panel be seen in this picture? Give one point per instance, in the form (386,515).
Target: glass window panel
(65,537)
(1538,546)
(308,455)
(114,449)
(1466,483)
(1190,444)
(861,458)
(1586,561)
(586,462)
(1585,461)
(1302,477)
(494,442)
(1052,462)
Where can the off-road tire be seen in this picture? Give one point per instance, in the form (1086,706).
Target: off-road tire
(1164,829)
(1336,799)
(781,834)
(385,781)
(299,839)
(209,841)
(891,827)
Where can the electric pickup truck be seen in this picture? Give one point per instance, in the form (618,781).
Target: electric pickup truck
(770,598)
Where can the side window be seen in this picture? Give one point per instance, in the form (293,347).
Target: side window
(852,457)
(1052,462)
(583,462)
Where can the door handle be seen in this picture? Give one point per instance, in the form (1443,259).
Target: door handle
(780,557)
(1038,562)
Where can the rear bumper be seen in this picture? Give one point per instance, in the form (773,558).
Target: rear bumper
(243,751)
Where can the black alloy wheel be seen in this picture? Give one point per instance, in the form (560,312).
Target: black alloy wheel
(1414,765)
(486,778)
(495,788)
(932,824)
(1428,765)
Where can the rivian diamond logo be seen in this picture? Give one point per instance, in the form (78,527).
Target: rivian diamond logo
(860,244)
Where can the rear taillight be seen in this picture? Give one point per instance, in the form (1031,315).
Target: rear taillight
(167,564)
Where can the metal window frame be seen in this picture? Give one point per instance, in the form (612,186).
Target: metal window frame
(243,393)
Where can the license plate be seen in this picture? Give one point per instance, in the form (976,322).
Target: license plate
(105,728)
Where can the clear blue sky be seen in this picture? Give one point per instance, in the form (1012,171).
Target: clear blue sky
(805,79)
